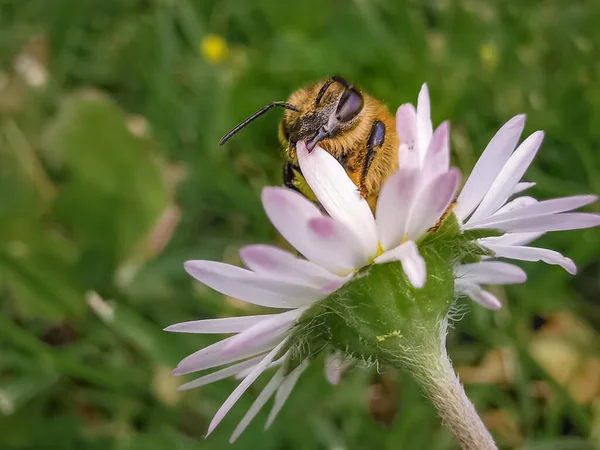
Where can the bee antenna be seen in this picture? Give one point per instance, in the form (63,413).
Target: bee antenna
(256,115)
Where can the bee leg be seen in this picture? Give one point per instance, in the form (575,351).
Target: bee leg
(374,142)
(293,179)
(289,175)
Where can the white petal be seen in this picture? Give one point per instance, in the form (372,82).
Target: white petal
(393,206)
(263,331)
(285,266)
(489,165)
(260,401)
(289,212)
(555,222)
(431,203)
(535,209)
(242,387)
(522,186)
(517,203)
(437,159)
(338,194)
(511,239)
(221,374)
(335,365)
(259,289)
(406,126)
(244,373)
(284,391)
(424,126)
(218,326)
(504,185)
(490,272)
(483,297)
(336,240)
(534,254)
(215,355)
(412,262)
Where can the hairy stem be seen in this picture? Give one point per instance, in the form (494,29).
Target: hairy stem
(433,369)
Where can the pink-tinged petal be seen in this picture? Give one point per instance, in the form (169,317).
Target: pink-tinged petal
(543,224)
(263,331)
(218,326)
(511,239)
(437,159)
(214,355)
(338,194)
(489,165)
(242,387)
(289,212)
(424,126)
(506,181)
(431,203)
(221,374)
(258,404)
(336,240)
(284,391)
(393,206)
(490,272)
(335,366)
(251,287)
(285,266)
(534,254)
(336,284)
(522,186)
(483,297)
(412,262)
(406,126)
(535,209)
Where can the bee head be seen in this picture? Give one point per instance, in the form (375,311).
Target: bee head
(333,111)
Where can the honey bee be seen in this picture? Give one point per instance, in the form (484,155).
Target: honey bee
(355,128)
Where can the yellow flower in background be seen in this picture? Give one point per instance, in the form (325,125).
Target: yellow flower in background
(214,48)
(489,55)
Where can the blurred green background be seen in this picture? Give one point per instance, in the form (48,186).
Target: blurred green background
(111,177)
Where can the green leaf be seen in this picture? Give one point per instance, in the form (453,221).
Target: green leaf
(114,191)
(20,390)
(37,267)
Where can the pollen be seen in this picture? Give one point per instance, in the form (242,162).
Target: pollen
(214,48)
(395,333)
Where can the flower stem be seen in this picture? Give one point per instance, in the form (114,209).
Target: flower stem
(433,369)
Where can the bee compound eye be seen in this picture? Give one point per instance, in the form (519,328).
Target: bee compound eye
(350,104)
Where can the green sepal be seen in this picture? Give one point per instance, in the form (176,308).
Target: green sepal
(480,233)
(379,316)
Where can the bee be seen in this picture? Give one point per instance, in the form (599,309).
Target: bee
(355,128)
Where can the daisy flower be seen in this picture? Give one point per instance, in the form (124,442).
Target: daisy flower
(335,246)
(348,239)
